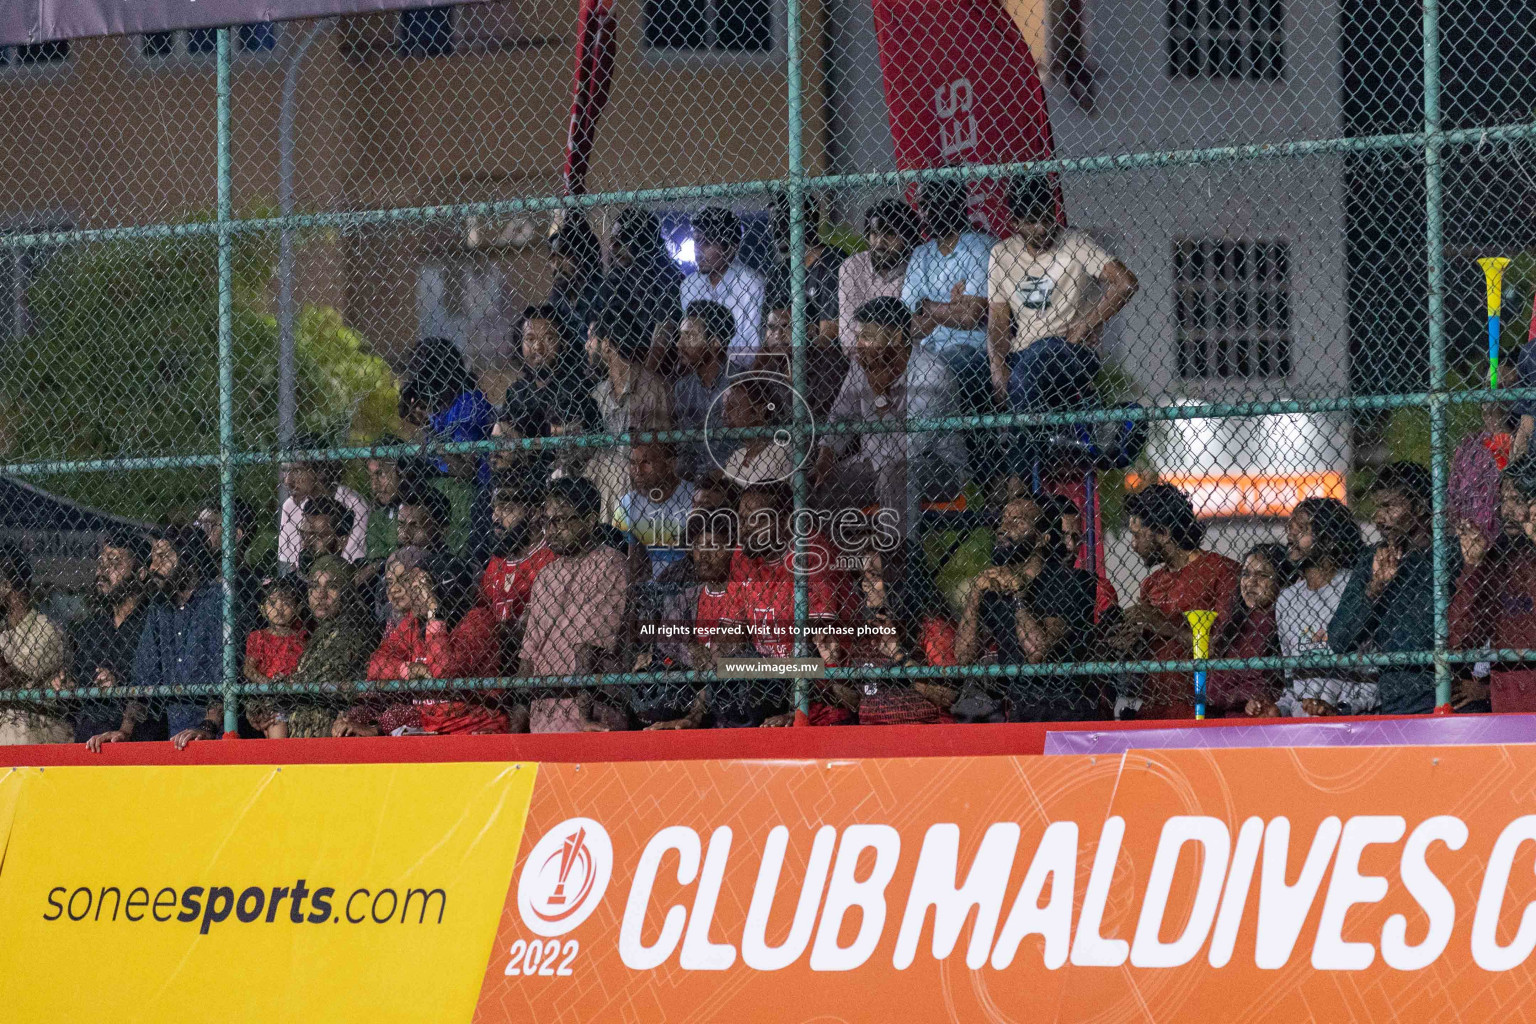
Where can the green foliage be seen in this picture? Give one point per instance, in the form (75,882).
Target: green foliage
(1114,385)
(124,363)
(1407,433)
(1519,293)
(845,238)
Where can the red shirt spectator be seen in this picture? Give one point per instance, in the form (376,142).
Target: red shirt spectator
(468,651)
(273,655)
(1208,582)
(763,594)
(714,610)
(507,583)
(1228,692)
(1495,606)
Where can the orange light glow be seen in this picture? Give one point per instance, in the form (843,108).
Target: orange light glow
(1248,495)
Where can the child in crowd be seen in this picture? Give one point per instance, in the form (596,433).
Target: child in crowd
(272,654)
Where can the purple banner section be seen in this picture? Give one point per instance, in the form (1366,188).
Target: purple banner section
(1452,730)
(38,21)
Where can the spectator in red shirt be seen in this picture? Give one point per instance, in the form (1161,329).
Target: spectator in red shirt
(1494,604)
(1166,534)
(697,616)
(441,634)
(519,553)
(766,566)
(272,654)
(763,573)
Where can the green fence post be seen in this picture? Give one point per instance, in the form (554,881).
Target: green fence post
(226,388)
(1434,244)
(794,195)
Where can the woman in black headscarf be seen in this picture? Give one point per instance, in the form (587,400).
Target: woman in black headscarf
(578,288)
(646,284)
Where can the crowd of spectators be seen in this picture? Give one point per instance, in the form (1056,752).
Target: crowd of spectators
(917,548)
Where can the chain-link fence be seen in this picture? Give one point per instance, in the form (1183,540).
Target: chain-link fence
(832,360)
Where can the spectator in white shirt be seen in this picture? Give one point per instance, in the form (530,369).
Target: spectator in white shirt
(757,400)
(720,278)
(655,509)
(306,480)
(1050,289)
(1323,542)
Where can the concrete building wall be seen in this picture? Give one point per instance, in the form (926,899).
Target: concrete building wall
(109,138)
(1141,107)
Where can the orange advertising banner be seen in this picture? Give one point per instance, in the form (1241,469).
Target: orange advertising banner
(1317,884)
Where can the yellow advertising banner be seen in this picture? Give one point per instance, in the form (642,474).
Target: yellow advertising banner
(333,893)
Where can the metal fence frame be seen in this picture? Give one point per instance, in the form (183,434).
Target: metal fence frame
(1431,140)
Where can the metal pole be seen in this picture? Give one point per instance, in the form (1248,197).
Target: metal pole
(1434,244)
(226,389)
(794,195)
(287,400)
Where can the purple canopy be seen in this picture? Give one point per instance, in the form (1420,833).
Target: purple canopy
(39,21)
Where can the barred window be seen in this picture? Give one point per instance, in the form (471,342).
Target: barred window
(1233,308)
(30,55)
(709,26)
(1226,39)
(258,37)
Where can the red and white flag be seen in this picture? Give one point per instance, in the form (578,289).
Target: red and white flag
(961,87)
(594,76)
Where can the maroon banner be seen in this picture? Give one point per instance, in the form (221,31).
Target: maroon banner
(962,88)
(589,95)
(38,21)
